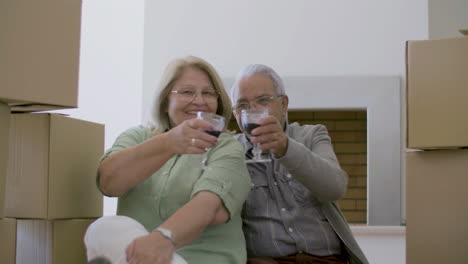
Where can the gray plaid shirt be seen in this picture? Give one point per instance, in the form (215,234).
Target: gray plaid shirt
(283,215)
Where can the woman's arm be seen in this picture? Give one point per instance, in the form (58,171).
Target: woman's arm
(128,167)
(187,224)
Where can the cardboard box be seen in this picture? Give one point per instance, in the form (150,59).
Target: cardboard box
(437,206)
(39,51)
(51,241)
(7,241)
(52,165)
(4,132)
(437,93)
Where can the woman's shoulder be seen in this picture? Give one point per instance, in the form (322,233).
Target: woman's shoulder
(227,141)
(139,132)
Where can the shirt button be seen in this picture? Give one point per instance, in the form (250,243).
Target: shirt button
(283,209)
(275,183)
(290,229)
(252,184)
(288,175)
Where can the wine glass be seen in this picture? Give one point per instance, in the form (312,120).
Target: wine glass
(249,121)
(217,122)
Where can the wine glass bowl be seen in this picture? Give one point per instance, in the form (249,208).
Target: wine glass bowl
(218,123)
(250,119)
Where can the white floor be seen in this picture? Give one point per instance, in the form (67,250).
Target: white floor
(382,244)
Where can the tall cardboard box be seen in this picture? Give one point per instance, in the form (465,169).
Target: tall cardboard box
(51,241)
(437,93)
(39,51)
(437,206)
(4,132)
(7,241)
(52,165)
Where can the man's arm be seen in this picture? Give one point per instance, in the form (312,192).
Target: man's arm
(308,156)
(312,161)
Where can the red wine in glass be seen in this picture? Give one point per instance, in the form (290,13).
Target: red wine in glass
(248,127)
(249,121)
(214,133)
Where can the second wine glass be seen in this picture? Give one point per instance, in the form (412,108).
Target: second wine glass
(217,122)
(249,121)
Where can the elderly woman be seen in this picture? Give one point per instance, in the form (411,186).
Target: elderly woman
(166,203)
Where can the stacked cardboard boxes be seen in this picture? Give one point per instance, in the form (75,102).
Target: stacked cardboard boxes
(48,162)
(436,158)
(40,53)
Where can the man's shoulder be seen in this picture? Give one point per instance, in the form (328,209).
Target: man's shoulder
(296,128)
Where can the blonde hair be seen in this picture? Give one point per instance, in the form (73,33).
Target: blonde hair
(174,70)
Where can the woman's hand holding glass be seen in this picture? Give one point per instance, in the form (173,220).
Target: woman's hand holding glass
(189,137)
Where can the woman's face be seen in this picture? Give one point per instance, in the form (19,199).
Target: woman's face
(182,106)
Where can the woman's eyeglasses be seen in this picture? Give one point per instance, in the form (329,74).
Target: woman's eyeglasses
(189,95)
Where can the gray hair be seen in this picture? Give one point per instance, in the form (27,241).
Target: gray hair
(254,69)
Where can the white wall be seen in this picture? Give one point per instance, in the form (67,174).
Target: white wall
(110,84)
(302,37)
(447,17)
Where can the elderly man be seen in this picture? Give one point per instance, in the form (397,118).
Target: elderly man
(291,214)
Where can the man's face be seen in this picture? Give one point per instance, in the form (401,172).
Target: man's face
(256,86)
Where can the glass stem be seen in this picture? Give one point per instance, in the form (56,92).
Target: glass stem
(257,152)
(205,159)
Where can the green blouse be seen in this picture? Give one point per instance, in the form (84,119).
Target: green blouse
(177,181)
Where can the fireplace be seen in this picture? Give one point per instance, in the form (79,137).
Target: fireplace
(379,96)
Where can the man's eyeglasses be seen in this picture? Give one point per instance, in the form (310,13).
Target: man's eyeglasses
(263,100)
(189,95)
